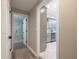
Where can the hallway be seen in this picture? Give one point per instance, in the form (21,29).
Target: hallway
(23,53)
(36,13)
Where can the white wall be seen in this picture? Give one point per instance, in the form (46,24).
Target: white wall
(32,29)
(51,8)
(67,29)
(32,23)
(5,27)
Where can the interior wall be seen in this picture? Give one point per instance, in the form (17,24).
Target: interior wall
(67,29)
(32,30)
(51,8)
(32,22)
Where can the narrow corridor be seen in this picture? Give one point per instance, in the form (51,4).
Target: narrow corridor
(23,53)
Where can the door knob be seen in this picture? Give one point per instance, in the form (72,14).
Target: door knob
(10,37)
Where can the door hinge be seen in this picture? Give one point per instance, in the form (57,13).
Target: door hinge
(10,11)
(10,50)
(26,19)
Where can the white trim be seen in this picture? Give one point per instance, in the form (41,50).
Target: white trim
(38,28)
(32,51)
(38,31)
(24,30)
(57,36)
(11,29)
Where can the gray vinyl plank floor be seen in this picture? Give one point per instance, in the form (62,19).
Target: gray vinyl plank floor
(19,45)
(23,53)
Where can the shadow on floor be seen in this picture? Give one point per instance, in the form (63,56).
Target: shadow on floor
(19,45)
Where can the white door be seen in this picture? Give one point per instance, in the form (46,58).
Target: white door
(24,31)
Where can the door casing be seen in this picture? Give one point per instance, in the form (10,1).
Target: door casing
(43,3)
(25,31)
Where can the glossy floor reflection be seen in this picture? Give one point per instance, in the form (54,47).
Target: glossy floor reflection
(50,52)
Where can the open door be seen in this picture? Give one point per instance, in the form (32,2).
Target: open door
(25,31)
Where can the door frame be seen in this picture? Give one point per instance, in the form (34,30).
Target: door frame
(43,3)
(27,17)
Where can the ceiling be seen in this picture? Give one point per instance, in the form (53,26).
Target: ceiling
(25,5)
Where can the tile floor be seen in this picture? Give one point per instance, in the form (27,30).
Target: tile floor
(50,52)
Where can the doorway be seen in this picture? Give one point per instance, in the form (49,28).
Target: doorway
(19,31)
(48,37)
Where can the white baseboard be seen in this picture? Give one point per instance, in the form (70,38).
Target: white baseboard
(33,52)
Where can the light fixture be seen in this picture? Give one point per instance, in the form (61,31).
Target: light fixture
(42,10)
